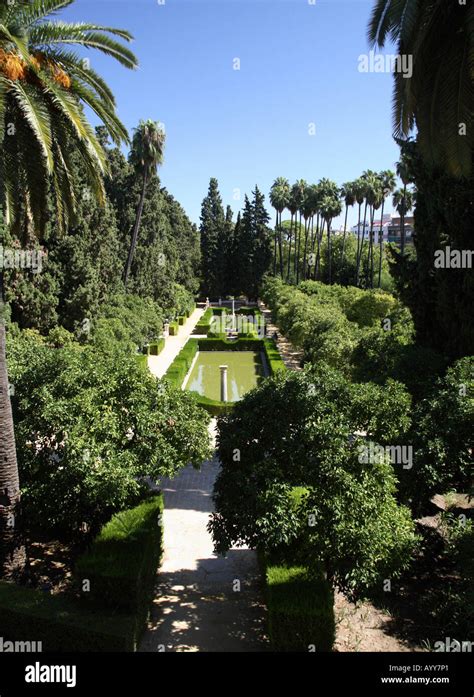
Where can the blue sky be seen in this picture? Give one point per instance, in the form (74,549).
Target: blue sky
(298,66)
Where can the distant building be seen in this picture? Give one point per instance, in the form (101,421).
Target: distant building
(391,229)
(395,230)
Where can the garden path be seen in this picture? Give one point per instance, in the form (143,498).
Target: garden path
(203,602)
(158,365)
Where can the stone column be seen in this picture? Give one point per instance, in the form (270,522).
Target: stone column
(224,395)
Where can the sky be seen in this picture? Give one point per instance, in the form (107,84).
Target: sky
(297,107)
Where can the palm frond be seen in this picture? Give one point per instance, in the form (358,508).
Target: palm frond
(50,33)
(36,115)
(115,128)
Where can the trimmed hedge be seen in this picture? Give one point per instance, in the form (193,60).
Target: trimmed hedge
(275,361)
(300,609)
(121,568)
(156,347)
(174,328)
(181,320)
(182,363)
(122,561)
(212,406)
(204,324)
(63,624)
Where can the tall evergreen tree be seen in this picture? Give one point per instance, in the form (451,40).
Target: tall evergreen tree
(211,228)
(262,253)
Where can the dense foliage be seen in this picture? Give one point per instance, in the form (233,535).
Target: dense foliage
(291,477)
(234,257)
(90,423)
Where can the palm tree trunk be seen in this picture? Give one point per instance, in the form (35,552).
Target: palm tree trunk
(12,552)
(136,228)
(359,258)
(318,256)
(358,232)
(306,237)
(280,245)
(298,254)
(381,244)
(402,222)
(370,257)
(343,244)
(289,249)
(329,252)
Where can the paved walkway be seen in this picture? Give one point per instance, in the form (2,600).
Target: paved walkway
(158,365)
(203,602)
(292,357)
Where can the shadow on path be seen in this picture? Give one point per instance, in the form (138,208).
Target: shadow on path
(203,602)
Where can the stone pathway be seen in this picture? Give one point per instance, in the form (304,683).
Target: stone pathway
(292,357)
(158,365)
(203,602)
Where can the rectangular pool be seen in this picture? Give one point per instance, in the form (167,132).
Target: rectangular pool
(245,370)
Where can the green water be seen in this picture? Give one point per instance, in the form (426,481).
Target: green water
(244,372)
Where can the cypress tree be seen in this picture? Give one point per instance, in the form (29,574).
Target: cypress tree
(211,228)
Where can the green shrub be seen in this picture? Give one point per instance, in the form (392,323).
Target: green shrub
(122,561)
(181,320)
(182,363)
(275,361)
(174,328)
(300,609)
(142,361)
(212,406)
(156,347)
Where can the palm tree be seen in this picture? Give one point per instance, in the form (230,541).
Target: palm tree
(359,193)
(42,89)
(293,204)
(403,171)
(301,187)
(437,97)
(309,209)
(375,203)
(403,200)
(388,182)
(145,156)
(369,183)
(330,208)
(348,193)
(279,198)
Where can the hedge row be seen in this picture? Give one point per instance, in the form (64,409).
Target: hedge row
(122,561)
(181,320)
(120,568)
(156,347)
(300,609)
(182,363)
(204,324)
(62,624)
(174,328)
